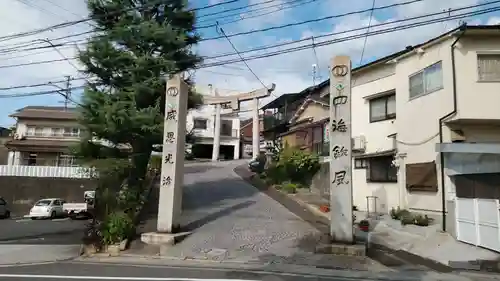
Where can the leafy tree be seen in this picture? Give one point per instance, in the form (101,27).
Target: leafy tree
(135,45)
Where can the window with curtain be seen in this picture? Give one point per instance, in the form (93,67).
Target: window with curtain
(426,81)
(381,169)
(488,67)
(383,108)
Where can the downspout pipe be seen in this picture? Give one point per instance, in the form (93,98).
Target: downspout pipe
(453,112)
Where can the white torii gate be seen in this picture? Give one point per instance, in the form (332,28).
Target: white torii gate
(234,101)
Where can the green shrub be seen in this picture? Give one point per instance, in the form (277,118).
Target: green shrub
(276,174)
(297,165)
(116,228)
(398,213)
(289,187)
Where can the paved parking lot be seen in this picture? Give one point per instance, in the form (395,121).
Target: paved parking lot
(33,241)
(27,231)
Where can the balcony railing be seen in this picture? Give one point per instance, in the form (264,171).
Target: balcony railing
(229,133)
(44,171)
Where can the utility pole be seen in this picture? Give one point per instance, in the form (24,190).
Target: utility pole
(67,96)
(216,144)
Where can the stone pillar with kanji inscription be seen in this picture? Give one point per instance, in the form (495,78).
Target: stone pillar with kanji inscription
(174,139)
(341,221)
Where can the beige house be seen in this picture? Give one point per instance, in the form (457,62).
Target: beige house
(43,137)
(426,133)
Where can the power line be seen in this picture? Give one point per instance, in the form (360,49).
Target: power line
(280,5)
(352,37)
(367,30)
(236,9)
(236,50)
(467,14)
(329,42)
(38,85)
(262,30)
(242,18)
(71,23)
(312,20)
(21,95)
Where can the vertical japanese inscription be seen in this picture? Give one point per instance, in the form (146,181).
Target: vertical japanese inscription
(170,127)
(340,150)
(340,107)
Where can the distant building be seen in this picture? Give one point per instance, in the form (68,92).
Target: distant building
(4,137)
(202,124)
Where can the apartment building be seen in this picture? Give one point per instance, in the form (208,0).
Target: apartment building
(426,133)
(202,124)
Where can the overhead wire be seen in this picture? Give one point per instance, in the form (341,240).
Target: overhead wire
(312,20)
(344,39)
(237,34)
(327,42)
(75,22)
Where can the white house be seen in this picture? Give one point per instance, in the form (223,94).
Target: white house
(437,102)
(202,124)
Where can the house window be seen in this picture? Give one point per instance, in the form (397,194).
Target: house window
(381,169)
(317,142)
(426,81)
(66,160)
(383,108)
(30,131)
(56,132)
(32,159)
(488,67)
(300,138)
(360,163)
(38,131)
(200,124)
(71,132)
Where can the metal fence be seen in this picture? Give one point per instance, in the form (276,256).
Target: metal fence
(44,171)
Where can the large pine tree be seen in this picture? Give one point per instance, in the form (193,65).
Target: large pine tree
(135,45)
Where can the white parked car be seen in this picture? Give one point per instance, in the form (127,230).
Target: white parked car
(47,208)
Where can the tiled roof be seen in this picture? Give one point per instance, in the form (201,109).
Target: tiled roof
(47,112)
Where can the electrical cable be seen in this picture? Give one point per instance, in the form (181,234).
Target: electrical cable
(312,20)
(75,22)
(319,36)
(367,30)
(329,42)
(249,68)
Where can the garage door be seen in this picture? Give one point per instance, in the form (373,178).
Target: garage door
(478,222)
(478,210)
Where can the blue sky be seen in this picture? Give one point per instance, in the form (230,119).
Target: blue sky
(291,72)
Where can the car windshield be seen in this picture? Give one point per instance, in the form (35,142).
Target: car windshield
(43,203)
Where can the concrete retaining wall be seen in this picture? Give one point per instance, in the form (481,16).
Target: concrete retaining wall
(21,192)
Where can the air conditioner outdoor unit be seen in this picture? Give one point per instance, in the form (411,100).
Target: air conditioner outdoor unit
(359,143)
(18,136)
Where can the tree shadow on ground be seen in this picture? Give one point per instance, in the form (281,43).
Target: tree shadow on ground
(214,216)
(197,196)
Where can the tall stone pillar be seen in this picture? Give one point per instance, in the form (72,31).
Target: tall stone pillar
(255,129)
(341,221)
(174,138)
(216,145)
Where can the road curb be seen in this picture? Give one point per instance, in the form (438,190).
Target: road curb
(266,268)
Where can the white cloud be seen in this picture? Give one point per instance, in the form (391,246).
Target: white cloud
(494,21)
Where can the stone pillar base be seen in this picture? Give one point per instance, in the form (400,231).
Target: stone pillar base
(159,238)
(355,250)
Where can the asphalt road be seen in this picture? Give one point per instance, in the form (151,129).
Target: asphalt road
(103,271)
(27,231)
